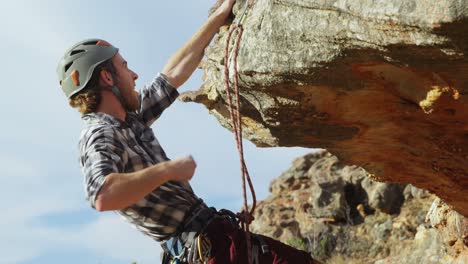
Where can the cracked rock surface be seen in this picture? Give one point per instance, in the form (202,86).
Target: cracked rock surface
(380,84)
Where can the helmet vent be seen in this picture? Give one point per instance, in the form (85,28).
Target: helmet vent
(68,66)
(76,52)
(91,42)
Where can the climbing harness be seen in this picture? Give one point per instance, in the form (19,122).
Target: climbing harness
(188,244)
(194,247)
(246,216)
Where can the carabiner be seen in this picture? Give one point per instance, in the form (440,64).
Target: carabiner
(244,13)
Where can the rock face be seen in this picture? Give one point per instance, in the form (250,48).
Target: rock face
(380,84)
(341,216)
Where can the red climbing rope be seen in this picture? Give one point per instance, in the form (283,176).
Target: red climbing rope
(246,216)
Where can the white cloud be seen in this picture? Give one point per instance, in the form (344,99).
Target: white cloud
(111,236)
(25,197)
(17,252)
(108,237)
(22,241)
(18,169)
(30,190)
(30,197)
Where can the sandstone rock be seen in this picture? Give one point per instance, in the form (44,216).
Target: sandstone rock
(381,84)
(340,217)
(453,226)
(410,191)
(387,198)
(427,247)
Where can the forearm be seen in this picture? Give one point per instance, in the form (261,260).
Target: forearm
(184,62)
(121,190)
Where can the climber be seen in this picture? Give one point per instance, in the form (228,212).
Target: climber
(126,169)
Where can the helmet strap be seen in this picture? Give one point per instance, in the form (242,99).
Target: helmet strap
(115,90)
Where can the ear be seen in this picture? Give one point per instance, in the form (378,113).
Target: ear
(105,79)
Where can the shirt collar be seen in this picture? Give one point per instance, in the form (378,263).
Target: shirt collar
(100,117)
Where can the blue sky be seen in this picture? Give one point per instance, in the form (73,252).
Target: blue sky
(45,218)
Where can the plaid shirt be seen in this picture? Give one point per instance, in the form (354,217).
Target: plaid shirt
(109,145)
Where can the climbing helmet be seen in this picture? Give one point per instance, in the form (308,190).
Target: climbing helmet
(77,64)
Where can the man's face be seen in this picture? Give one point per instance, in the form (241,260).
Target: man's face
(126,83)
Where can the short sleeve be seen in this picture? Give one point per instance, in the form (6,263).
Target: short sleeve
(155,98)
(101,155)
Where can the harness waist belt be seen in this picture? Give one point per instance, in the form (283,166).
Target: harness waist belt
(196,224)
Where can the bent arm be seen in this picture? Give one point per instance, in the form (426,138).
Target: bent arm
(184,62)
(121,190)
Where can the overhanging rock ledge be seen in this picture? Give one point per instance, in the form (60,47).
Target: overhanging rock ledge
(380,84)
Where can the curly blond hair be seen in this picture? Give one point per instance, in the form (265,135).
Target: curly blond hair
(88,99)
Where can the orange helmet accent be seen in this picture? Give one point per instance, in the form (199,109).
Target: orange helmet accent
(103,43)
(75,77)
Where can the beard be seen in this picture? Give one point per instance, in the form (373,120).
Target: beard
(131,101)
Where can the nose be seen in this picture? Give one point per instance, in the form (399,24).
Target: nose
(135,76)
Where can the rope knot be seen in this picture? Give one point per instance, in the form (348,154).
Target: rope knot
(245,217)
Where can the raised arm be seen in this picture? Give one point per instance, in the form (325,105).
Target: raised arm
(184,62)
